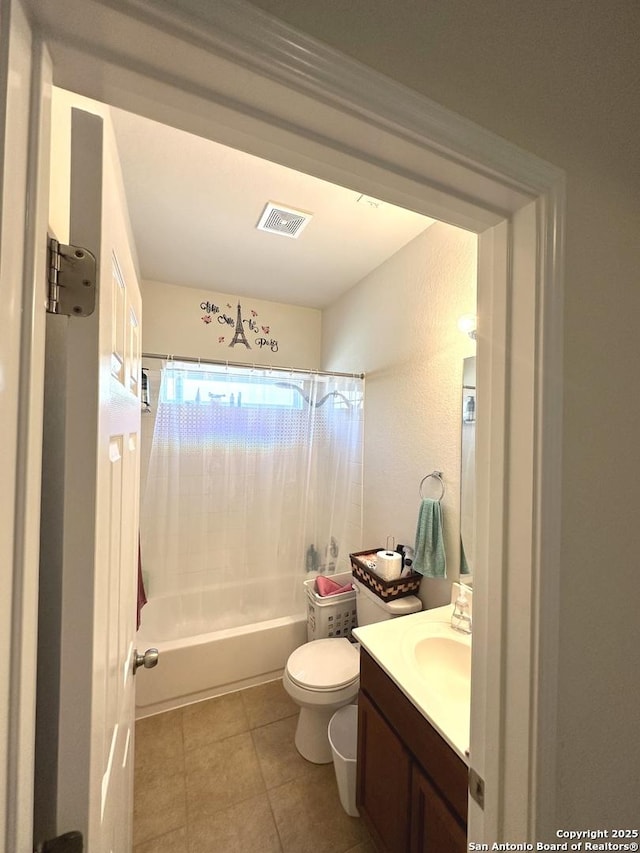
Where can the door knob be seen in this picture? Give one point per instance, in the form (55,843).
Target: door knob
(148,660)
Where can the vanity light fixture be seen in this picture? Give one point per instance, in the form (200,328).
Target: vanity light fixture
(467,324)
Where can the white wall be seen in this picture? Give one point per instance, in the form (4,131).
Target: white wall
(399,325)
(173,324)
(560,80)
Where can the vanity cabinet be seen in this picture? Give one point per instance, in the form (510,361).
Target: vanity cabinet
(434,826)
(411,786)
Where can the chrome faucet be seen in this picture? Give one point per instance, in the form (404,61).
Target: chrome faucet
(461,616)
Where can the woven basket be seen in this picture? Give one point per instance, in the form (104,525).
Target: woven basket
(386,590)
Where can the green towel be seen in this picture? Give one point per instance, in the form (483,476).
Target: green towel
(430,558)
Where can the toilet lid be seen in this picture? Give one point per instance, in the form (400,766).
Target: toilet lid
(324,664)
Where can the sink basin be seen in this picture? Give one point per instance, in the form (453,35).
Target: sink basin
(431,663)
(444,663)
(441,657)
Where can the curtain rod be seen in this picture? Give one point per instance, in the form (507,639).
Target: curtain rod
(192,360)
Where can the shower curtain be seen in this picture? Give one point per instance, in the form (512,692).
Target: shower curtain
(254,484)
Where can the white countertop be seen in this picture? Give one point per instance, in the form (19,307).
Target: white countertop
(392,645)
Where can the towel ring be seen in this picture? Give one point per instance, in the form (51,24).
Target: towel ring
(436,475)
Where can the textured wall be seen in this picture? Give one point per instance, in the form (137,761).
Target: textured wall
(173,323)
(562,81)
(399,325)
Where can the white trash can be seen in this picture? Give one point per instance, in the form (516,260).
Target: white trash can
(343,737)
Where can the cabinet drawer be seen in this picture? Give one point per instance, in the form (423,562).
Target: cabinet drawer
(446,770)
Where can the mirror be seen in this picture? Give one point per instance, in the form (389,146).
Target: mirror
(468,467)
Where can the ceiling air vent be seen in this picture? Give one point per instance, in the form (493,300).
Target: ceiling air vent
(283,220)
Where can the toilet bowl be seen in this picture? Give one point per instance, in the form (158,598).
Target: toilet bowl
(321,677)
(324,675)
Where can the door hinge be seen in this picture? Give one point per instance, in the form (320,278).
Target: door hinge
(72,280)
(476,787)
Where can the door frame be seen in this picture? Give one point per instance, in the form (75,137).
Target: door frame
(236,75)
(25,85)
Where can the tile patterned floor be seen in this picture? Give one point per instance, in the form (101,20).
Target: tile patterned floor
(223,776)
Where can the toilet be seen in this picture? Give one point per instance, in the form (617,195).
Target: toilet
(323,675)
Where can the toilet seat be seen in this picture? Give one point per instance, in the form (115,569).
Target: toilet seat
(324,665)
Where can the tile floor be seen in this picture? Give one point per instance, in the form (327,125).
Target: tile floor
(223,776)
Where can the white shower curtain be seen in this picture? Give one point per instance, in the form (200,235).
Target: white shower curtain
(254,484)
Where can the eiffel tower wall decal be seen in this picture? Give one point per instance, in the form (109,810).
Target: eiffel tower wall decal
(214,316)
(239,336)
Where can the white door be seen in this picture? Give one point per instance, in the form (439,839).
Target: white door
(100,526)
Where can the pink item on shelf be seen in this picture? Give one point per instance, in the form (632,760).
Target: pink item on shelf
(327,586)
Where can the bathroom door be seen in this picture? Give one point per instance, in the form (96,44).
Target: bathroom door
(100,523)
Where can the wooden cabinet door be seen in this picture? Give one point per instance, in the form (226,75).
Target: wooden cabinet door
(384,778)
(434,827)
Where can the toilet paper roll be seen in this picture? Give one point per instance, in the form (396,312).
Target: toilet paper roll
(388,565)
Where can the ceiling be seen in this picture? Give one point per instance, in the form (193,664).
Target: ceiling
(194,206)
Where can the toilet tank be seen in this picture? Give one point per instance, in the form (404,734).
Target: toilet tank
(370,608)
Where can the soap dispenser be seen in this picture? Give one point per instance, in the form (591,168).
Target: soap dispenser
(461,616)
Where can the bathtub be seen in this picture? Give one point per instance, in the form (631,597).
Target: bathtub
(210,663)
